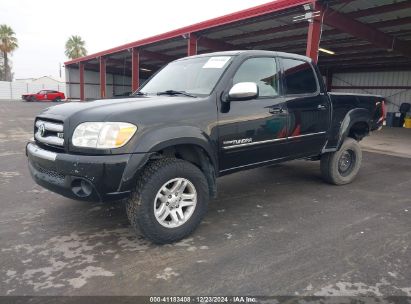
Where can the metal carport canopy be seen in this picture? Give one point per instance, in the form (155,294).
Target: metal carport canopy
(369,35)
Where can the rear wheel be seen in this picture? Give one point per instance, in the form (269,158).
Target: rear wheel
(169,201)
(341,167)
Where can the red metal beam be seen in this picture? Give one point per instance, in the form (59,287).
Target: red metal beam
(356,14)
(81,76)
(253,12)
(348,49)
(135,69)
(295,38)
(214,44)
(103,77)
(314,34)
(366,32)
(192,44)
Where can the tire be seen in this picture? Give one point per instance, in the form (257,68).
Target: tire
(57,99)
(140,206)
(33,99)
(341,167)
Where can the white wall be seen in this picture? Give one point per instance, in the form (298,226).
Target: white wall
(116,84)
(374,79)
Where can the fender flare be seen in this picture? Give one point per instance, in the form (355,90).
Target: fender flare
(338,136)
(153,141)
(160,139)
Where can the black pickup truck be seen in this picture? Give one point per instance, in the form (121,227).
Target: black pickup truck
(197,119)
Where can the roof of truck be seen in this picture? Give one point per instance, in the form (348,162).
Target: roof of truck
(251,52)
(354,94)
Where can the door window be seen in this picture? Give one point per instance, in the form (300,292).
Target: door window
(299,77)
(262,71)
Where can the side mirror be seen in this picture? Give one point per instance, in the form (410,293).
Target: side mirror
(243,91)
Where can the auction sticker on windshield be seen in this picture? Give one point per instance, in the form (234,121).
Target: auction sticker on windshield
(216,62)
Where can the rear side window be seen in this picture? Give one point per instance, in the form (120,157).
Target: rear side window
(262,71)
(299,77)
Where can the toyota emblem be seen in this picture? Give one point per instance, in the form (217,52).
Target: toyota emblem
(42,130)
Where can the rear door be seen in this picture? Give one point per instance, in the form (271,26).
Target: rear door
(254,131)
(309,108)
(51,95)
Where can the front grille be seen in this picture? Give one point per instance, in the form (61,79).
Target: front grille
(50,173)
(49,133)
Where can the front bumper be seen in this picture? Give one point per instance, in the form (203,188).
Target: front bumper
(104,177)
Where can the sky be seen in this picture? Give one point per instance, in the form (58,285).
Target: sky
(43,26)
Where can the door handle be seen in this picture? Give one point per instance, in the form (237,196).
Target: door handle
(321,107)
(276,110)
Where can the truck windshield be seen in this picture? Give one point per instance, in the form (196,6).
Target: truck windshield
(192,76)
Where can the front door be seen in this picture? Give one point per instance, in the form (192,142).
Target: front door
(308,108)
(42,95)
(254,131)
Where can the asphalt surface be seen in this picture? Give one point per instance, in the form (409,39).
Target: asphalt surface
(273,231)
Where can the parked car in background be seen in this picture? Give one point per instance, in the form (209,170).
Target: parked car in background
(44,95)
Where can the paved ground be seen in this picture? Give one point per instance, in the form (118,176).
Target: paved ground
(273,231)
(391,141)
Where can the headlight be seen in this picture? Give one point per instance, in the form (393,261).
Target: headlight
(103,135)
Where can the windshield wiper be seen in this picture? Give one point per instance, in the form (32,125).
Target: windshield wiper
(174,92)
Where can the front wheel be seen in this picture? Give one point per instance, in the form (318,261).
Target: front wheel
(341,167)
(57,99)
(169,201)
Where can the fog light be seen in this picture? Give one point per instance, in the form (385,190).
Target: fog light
(81,188)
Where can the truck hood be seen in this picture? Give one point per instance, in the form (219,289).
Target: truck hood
(101,110)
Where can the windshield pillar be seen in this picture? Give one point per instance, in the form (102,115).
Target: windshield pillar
(135,69)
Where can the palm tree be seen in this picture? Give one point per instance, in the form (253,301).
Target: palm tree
(8,44)
(75,47)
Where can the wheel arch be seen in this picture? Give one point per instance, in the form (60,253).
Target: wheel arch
(356,124)
(187,143)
